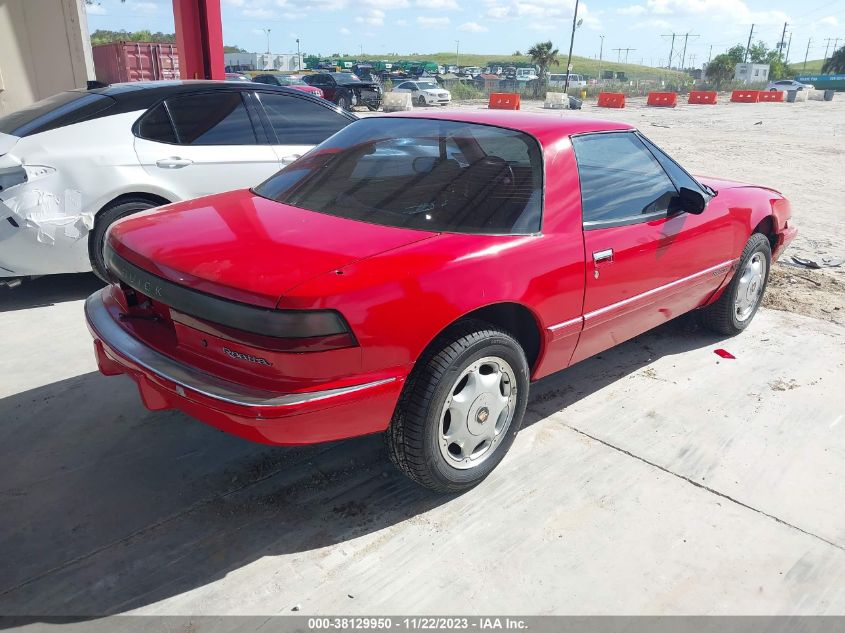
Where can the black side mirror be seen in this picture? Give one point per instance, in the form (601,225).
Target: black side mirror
(688,201)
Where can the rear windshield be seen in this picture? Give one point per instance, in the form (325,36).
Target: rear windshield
(442,176)
(60,109)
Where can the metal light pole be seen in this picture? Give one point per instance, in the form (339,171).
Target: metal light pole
(601,54)
(298,56)
(571,44)
(267,33)
(458,54)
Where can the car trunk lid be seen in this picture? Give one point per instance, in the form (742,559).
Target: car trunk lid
(246,248)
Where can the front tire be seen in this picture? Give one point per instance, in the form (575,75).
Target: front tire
(104,219)
(461,408)
(344,103)
(732,312)
(421,101)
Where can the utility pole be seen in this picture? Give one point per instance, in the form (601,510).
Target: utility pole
(788,47)
(298,56)
(782,43)
(692,61)
(710,55)
(827,45)
(684,54)
(809,41)
(748,46)
(571,43)
(619,54)
(458,54)
(671,50)
(267,33)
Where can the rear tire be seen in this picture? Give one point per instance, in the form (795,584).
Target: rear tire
(460,409)
(732,312)
(103,220)
(344,103)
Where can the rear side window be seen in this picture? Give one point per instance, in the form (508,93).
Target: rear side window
(300,121)
(157,126)
(424,174)
(62,109)
(211,119)
(621,182)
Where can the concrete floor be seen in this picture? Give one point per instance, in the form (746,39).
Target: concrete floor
(657,478)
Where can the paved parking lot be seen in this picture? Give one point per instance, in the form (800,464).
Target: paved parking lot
(657,478)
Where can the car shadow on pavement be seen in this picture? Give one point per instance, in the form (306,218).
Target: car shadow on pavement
(49,290)
(109,507)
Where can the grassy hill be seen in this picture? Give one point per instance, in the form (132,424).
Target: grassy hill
(814,67)
(580,65)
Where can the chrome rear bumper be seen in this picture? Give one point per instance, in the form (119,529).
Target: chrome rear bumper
(126,350)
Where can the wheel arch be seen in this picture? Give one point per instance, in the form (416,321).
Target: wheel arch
(512,317)
(766,226)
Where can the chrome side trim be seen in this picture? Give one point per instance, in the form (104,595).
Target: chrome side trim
(559,330)
(656,291)
(127,346)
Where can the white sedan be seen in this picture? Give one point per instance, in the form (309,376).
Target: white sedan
(425,92)
(72,164)
(788,84)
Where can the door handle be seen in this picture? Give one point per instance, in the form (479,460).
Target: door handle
(603,256)
(174,162)
(287,160)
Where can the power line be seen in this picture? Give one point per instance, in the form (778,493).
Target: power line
(684,54)
(619,53)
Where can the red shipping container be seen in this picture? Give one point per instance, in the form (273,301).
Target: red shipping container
(120,62)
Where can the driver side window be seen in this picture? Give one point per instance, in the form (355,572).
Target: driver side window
(621,182)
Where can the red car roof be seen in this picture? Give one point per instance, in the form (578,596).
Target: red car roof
(544,127)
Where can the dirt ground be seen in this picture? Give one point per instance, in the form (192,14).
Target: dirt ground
(796,148)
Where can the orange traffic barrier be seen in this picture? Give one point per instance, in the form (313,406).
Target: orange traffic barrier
(611,100)
(503,101)
(662,99)
(745,96)
(772,95)
(702,97)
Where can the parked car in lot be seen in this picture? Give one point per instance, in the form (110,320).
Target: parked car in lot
(425,92)
(287,81)
(347,90)
(237,77)
(74,163)
(413,274)
(787,84)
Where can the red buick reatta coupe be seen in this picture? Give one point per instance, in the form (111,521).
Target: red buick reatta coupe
(413,274)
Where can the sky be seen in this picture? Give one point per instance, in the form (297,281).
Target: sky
(382,27)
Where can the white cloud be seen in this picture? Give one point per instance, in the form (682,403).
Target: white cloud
(472,27)
(294,15)
(344,31)
(95,9)
(373,17)
(830,20)
(386,4)
(440,5)
(433,23)
(234,3)
(401,23)
(634,9)
(143,8)
(736,11)
(257,13)
(498,13)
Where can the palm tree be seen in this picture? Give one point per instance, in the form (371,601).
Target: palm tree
(836,63)
(543,56)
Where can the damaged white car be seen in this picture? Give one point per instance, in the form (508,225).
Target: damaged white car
(72,164)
